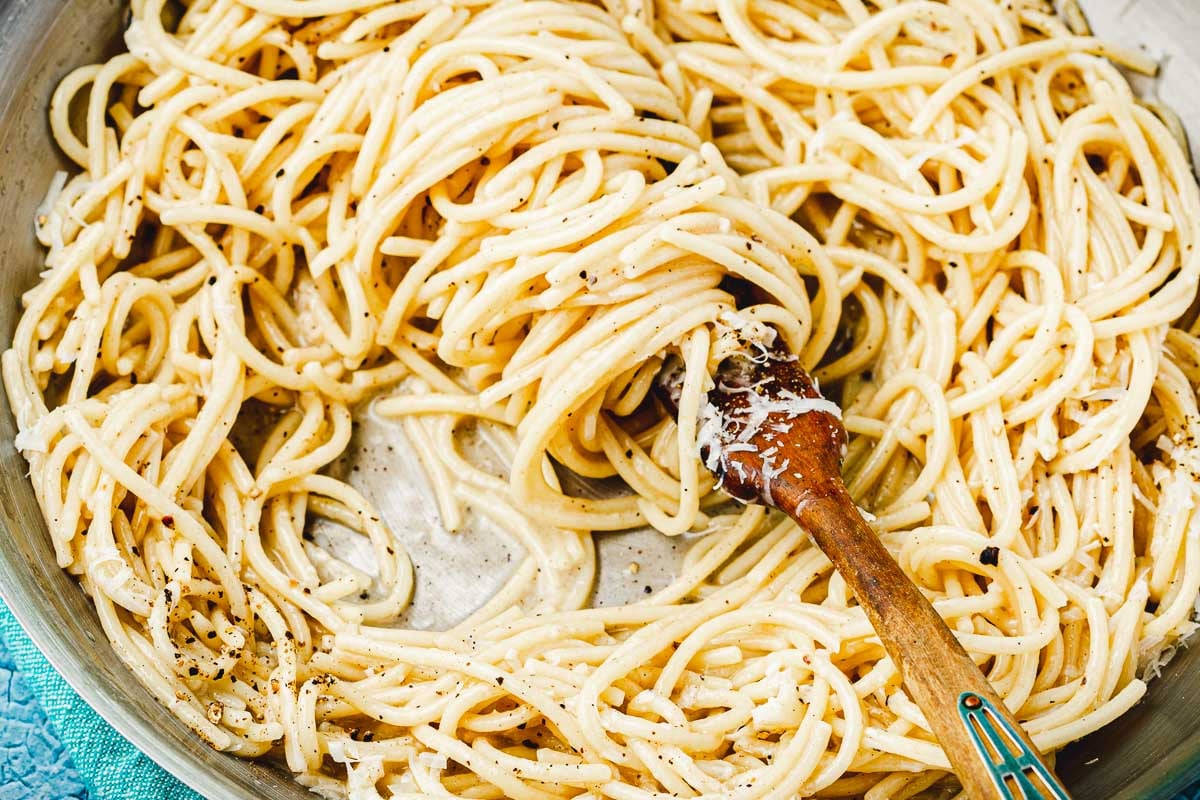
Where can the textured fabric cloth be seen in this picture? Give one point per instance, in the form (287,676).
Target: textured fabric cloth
(33,762)
(54,746)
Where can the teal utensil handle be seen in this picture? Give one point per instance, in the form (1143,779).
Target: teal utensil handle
(1015,768)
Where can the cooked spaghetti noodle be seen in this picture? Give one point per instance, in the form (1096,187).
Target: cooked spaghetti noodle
(502,218)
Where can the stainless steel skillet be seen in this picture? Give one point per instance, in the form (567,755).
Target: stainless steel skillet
(1148,754)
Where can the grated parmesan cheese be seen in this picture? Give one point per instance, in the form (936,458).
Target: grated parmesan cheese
(362,776)
(720,434)
(433,761)
(32,439)
(338,750)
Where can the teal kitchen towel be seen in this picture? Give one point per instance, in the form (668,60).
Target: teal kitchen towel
(79,748)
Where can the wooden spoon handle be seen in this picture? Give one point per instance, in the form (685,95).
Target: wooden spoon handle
(991,754)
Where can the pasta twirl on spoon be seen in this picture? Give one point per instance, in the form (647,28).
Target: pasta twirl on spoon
(771,437)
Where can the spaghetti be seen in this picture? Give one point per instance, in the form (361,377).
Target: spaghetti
(500,219)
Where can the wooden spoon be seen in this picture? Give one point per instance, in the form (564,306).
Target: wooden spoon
(770,437)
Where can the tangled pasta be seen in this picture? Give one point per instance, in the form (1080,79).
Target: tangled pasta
(499,219)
